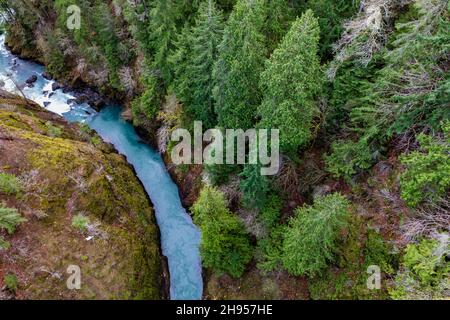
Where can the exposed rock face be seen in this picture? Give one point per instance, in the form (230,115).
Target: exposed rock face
(32,79)
(56,86)
(47,76)
(65,172)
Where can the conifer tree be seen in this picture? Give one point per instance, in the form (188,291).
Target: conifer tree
(280,15)
(225,246)
(254,186)
(241,60)
(310,240)
(162,31)
(193,62)
(207,35)
(179,60)
(291,83)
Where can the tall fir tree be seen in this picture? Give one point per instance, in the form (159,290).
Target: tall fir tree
(241,60)
(197,51)
(162,29)
(291,83)
(225,245)
(280,15)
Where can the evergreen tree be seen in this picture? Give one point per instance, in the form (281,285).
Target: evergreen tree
(254,186)
(225,246)
(107,40)
(241,60)
(291,83)
(162,29)
(280,15)
(196,53)
(180,59)
(310,240)
(331,15)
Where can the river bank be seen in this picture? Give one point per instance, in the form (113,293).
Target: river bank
(83,207)
(74,115)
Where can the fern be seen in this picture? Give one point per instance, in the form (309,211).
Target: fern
(9,220)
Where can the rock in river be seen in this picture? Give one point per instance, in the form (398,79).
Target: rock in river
(32,79)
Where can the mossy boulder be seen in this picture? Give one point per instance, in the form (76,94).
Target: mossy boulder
(64,173)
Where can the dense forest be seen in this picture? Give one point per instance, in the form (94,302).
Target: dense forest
(360,91)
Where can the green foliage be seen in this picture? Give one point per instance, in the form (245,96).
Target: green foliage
(219,174)
(225,246)
(162,30)
(280,14)
(4,245)
(331,15)
(147,106)
(11,282)
(55,60)
(348,88)
(193,63)
(52,130)
(107,40)
(425,271)
(80,222)
(427,174)
(271,212)
(241,59)
(254,186)
(291,83)
(310,241)
(347,158)
(9,184)
(411,87)
(9,220)
(271,249)
(377,252)
(358,249)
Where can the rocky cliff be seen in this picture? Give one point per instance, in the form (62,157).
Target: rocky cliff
(83,207)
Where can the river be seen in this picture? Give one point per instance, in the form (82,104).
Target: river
(180,238)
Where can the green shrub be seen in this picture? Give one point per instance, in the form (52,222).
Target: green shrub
(271,249)
(310,240)
(427,173)
(425,271)
(225,246)
(11,282)
(9,220)
(4,245)
(52,130)
(270,213)
(96,141)
(347,158)
(80,222)
(377,252)
(356,254)
(9,184)
(147,106)
(254,187)
(219,174)
(54,57)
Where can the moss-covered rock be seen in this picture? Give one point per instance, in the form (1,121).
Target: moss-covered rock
(63,176)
